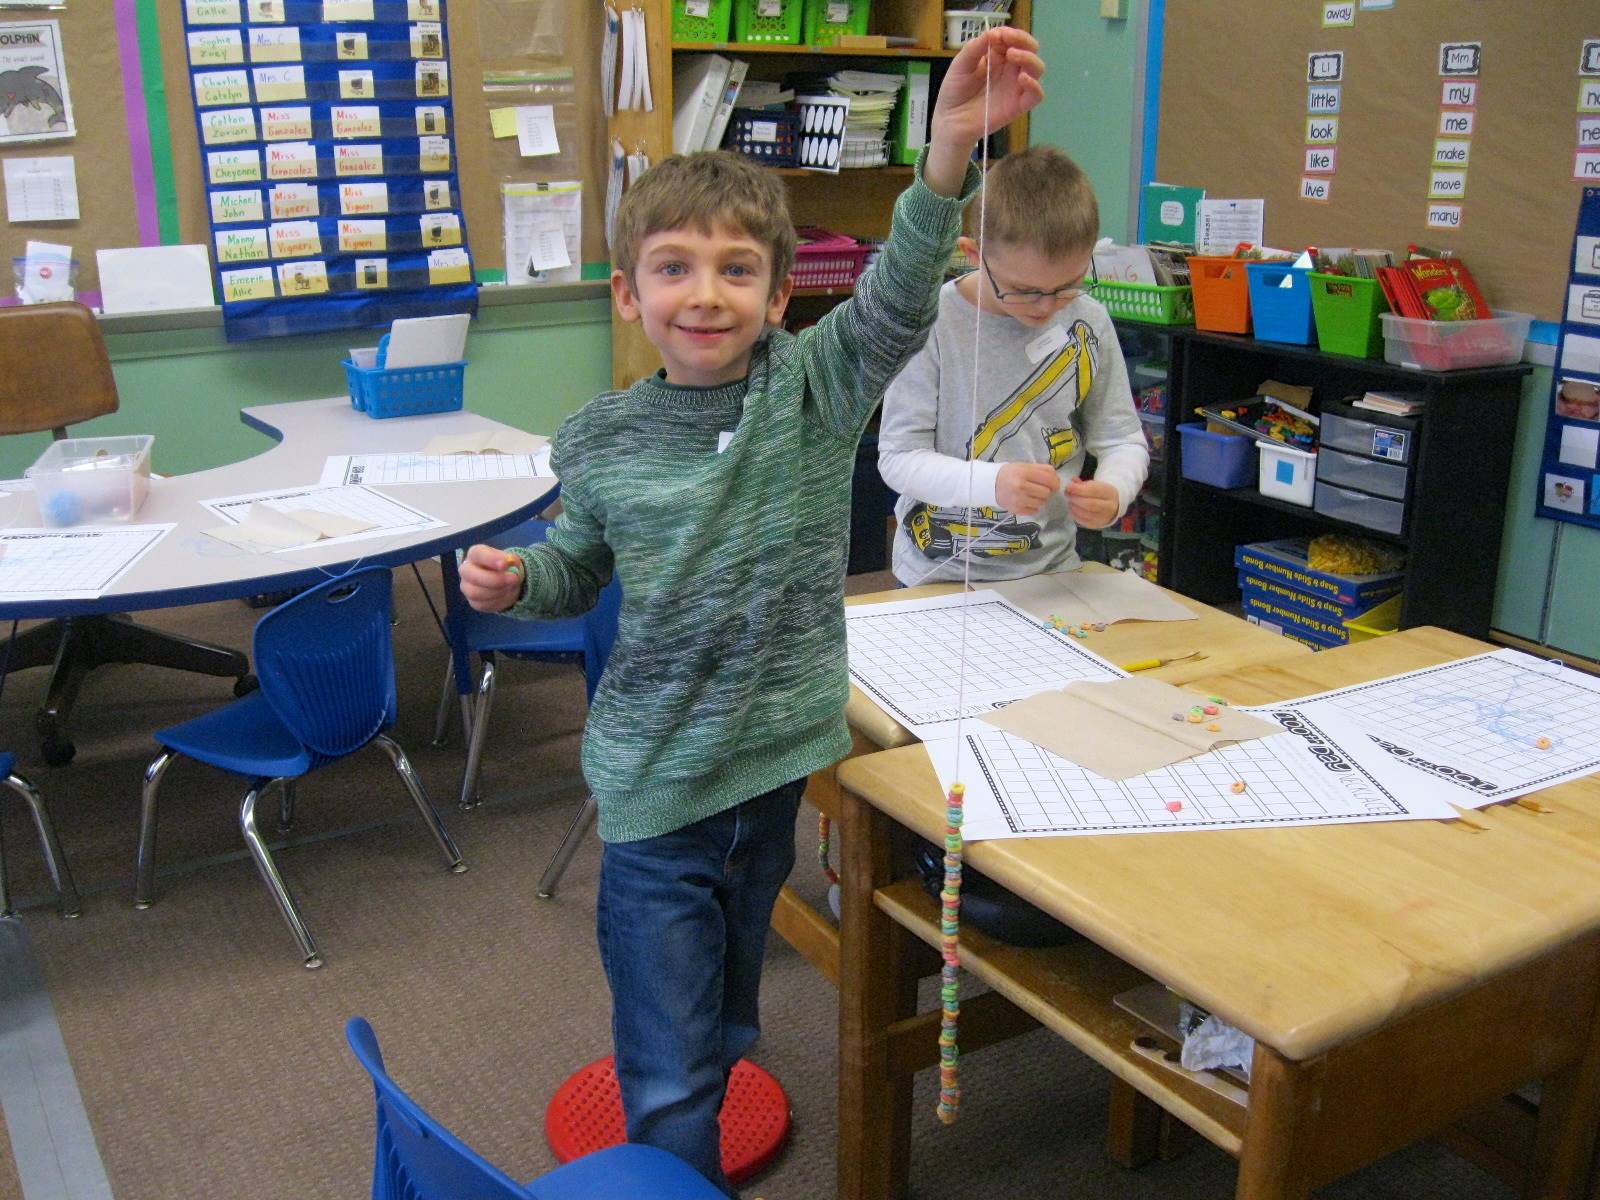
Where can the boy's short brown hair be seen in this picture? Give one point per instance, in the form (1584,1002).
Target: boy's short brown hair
(1040,199)
(702,191)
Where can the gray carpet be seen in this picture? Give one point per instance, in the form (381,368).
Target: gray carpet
(212,1064)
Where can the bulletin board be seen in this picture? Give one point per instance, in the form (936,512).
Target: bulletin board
(137,155)
(1234,98)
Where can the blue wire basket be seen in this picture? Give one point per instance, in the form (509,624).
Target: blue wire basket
(406,391)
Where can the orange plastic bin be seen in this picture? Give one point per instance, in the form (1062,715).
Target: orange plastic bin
(1221,293)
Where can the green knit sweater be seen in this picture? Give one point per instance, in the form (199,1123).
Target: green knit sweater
(728,675)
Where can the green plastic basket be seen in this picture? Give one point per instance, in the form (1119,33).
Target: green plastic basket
(701,20)
(1155,303)
(826,20)
(1347,311)
(774,22)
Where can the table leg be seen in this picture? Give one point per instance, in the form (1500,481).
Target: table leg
(1564,1161)
(874,1104)
(1285,1100)
(1133,1126)
(455,618)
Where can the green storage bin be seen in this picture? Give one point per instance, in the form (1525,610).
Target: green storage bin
(1347,312)
(827,19)
(1156,303)
(701,20)
(773,22)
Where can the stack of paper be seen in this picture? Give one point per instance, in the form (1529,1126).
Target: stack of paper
(872,96)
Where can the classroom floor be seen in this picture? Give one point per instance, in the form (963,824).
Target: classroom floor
(210,1063)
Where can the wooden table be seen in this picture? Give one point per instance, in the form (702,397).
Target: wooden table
(1227,642)
(1395,976)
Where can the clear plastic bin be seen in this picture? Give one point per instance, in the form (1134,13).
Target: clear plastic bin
(1287,473)
(1359,508)
(1450,345)
(80,481)
(1364,474)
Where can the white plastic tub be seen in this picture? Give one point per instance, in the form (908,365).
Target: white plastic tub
(1288,474)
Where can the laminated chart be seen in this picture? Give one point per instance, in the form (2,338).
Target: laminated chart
(907,656)
(1017,789)
(70,564)
(1475,731)
(384,470)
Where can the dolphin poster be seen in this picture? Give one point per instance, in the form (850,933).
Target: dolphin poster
(34,106)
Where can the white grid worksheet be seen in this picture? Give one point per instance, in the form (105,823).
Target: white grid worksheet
(1017,789)
(1481,729)
(383,470)
(70,564)
(907,655)
(388,515)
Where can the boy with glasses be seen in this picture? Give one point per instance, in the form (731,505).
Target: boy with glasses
(1051,386)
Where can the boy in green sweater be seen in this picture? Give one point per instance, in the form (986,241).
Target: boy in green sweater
(718,490)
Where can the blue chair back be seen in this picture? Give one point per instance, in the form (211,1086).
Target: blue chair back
(416,1157)
(600,633)
(326,662)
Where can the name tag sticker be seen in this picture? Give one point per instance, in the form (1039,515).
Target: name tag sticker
(723,438)
(1047,343)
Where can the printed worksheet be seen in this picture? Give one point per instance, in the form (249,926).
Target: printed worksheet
(384,470)
(908,656)
(387,516)
(70,564)
(1475,731)
(1017,789)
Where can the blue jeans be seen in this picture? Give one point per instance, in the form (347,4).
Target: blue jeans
(683,920)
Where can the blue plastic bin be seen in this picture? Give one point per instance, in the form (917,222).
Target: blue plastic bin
(1224,460)
(1282,313)
(406,391)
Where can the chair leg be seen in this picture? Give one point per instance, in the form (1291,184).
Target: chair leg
(419,795)
(480,731)
(285,805)
(441,719)
(569,846)
(274,881)
(54,860)
(144,874)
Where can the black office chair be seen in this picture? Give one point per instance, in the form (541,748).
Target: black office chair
(54,372)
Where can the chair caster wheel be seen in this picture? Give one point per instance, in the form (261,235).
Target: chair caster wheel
(245,684)
(57,750)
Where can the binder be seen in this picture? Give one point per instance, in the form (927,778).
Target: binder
(911,117)
(730,94)
(698,81)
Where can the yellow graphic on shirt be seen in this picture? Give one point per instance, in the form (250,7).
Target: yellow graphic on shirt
(940,531)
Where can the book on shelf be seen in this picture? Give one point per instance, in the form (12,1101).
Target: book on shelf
(698,82)
(1434,289)
(911,116)
(1396,404)
(1167,213)
(725,106)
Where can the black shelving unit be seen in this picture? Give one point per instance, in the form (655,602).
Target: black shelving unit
(1455,508)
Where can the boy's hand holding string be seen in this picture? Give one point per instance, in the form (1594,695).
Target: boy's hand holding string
(1002,62)
(491,579)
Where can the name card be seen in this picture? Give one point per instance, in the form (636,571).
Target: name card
(212,12)
(228,125)
(296,239)
(279,83)
(251,283)
(372,273)
(267,10)
(449,266)
(232,206)
(352,121)
(433,154)
(233,166)
(440,229)
(422,10)
(431,121)
(427,40)
(289,201)
(350,45)
(285,124)
(241,245)
(292,160)
(364,159)
(433,79)
(347,10)
(363,198)
(356,85)
(215,47)
(275,45)
(303,278)
(436,193)
(358,237)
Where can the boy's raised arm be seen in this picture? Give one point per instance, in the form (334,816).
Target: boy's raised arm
(860,345)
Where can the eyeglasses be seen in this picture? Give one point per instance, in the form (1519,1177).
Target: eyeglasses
(1083,287)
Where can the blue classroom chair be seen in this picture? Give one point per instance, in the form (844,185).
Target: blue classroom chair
(586,640)
(325,660)
(416,1158)
(54,860)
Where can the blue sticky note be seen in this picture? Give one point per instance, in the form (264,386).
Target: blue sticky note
(1285,471)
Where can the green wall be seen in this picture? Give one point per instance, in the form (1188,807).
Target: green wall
(531,365)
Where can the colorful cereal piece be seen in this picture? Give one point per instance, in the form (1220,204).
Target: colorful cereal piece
(1212,710)
(1177,716)
(1195,718)
(1543,743)
(1214,727)
(1216,700)
(1237,787)
(1174,805)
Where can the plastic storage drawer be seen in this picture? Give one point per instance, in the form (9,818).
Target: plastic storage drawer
(1392,443)
(1363,474)
(1374,512)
